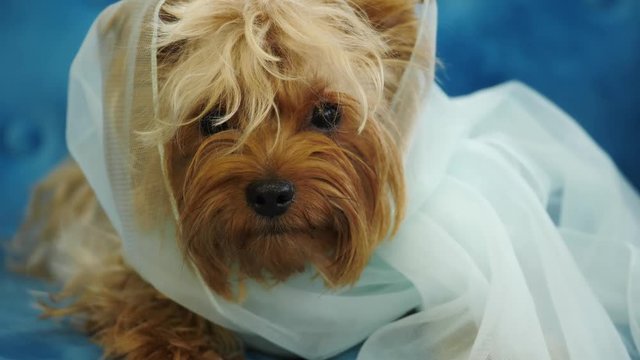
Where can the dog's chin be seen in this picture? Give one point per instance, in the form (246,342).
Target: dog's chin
(273,254)
(268,253)
(276,229)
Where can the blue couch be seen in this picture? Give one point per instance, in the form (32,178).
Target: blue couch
(583,54)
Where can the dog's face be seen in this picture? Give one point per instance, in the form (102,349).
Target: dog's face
(282,155)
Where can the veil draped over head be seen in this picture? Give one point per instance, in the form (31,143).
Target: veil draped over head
(520,242)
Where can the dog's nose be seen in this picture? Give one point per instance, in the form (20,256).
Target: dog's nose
(270,198)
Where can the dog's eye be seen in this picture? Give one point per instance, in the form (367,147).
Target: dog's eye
(210,123)
(326,116)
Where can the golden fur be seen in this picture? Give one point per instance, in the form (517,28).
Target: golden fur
(263,78)
(349,181)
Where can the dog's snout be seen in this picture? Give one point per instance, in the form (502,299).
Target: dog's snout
(270,198)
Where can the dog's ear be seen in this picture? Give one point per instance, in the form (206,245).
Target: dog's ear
(399,25)
(396,20)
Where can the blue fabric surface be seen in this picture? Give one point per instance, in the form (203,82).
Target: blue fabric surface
(583,54)
(24,336)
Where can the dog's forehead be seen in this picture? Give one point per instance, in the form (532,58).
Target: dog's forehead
(266,57)
(293,95)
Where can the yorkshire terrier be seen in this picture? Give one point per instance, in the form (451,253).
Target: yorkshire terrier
(285,156)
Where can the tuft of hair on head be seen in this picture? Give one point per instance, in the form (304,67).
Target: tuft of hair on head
(237,55)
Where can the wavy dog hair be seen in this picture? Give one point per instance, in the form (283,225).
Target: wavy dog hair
(263,66)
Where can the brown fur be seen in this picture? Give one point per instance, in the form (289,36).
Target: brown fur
(109,300)
(349,182)
(341,212)
(127,316)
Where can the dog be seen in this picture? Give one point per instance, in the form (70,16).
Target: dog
(280,151)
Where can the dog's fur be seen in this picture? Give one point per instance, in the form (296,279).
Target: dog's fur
(274,62)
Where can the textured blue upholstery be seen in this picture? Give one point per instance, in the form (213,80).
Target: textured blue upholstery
(583,54)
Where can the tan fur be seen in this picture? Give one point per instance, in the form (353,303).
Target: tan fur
(262,76)
(275,61)
(347,186)
(63,200)
(77,246)
(127,316)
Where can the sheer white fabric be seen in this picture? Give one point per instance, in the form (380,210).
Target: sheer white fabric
(521,240)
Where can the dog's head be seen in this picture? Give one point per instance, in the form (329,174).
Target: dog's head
(282,153)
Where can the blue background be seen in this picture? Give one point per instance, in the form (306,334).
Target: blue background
(583,54)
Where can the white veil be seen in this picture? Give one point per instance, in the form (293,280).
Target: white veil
(521,240)
(522,237)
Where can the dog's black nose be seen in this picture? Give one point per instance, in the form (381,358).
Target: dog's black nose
(270,197)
